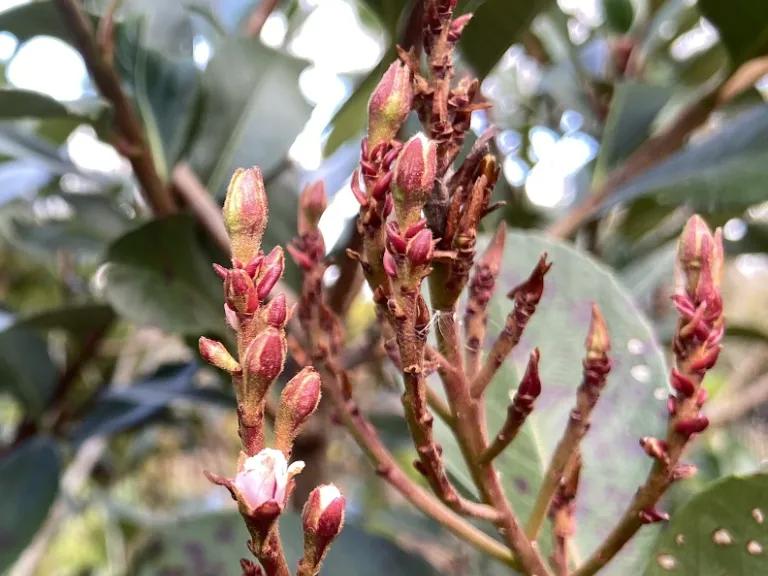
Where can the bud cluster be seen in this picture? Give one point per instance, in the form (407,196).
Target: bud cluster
(264,480)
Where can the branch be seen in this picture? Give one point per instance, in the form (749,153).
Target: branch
(660,147)
(130,135)
(596,368)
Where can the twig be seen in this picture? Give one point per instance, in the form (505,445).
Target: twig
(562,514)
(129,129)
(661,146)
(526,296)
(596,368)
(259,17)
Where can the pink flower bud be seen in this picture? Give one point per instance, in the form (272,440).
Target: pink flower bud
(264,479)
(390,266)
(271,271)
(217,355)
(693,425)
(414,178)
(312,203)
(682,383)
(421,249)
(263,361)
(654,447)
(598,341)
(298,401)
(241,296)
(323,519)
(457,27)
(245,213)
(652,516)
(390,104)
(276,312)
(699,260)
(396,242)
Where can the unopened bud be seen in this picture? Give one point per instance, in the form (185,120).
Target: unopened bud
(652,516)
(245,212)
(682,383)
(532,289)
(598,341)
(263,362)
(298,401)
(420,249)
(693,425)
(390,104)
(276,312)
(216,354)
(654,447)
(390,266)
(414,178)
(312,203)
(699,259)
(271,271)
(457,27)
(322,519)
(240,294)
(530,386)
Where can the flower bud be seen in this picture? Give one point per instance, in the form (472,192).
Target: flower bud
(682,383)
(598,341)
(530,386)
(693,425)
(389,264)
(700,260)
(390,104)
(217,355)
(421,249)
(271,271)
(245,213)
(312,203)
(264,478)
(263,361)
(655,448)
(323,519)
(414,178)
(298,401)
(276,312)
(240,294)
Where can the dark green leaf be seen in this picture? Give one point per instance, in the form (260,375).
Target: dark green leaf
(254,111)
(213,544)
(26,370)
(29,482)
(619,15)
(388,13)
(630,407)
(158,275)
(125,408)
(726,171)
(80,320)
(634,107)
(719,531)
(16,103)
(742,24)
(34,19)
(495,26)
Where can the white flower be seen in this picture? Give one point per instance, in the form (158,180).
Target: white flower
(264,478)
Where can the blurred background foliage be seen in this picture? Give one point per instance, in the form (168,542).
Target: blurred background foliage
(107,419)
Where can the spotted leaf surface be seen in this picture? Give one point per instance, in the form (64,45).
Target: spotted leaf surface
(631,406)
(721,530)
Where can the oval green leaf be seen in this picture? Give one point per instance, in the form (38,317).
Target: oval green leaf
(721,530)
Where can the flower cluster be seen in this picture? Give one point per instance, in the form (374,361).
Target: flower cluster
(264,479)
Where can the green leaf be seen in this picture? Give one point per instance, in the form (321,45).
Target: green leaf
(495,26)
(26,370)
(32,19)
(254,111)
(388,13)
(725,171)
(214,543)
(719,531)
(634,107)
(80,320)
(631,406)
(121,409)
(619,15)
(742,24)
(29,482)
(17,103)
(158,275)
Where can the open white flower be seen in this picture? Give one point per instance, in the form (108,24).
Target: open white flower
(264,478)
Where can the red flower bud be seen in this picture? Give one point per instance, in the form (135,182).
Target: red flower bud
(216,354)
(421,249)
(298,401)
(312,203)
(457,27)
(530,386)
(683,472)
(705,359)
(390,267)
(241,296)
(414,178)
(221,271)
(390,104)
(693,425)
(682,383)
(654,447)
(263,362)
(701,397)
(276,312)
(245,213)
(652,516)
(271,271)
(322,519)
(700,261)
